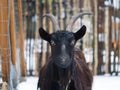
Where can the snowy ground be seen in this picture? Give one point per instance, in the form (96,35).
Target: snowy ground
(100,83)
(106,83)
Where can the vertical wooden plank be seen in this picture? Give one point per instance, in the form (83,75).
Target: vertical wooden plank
(95,36)
(21,36)
(107,39)
(87,6)
(119,38)
(50,25)
(77,6)
(74,7)
(51,12)
(68,12)
(85,18)
(119,41)
(114,39)
(0,24)
(12,32)
(44,44)
(87,41)
(4,45)
(110,37)
(61,15)
(37,55)
(47,26)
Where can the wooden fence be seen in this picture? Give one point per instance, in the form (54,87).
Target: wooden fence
(12,63)
(101,44)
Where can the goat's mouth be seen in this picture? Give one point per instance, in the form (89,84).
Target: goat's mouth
(62,62)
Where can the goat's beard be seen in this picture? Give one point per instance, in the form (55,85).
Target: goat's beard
(62,75)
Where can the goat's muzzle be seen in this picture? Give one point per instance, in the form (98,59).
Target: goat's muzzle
(62,61)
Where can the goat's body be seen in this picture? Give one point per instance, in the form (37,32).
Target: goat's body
(76,77)
(66,69)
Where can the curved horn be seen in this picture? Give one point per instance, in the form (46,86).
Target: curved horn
(74,18)
(54,21)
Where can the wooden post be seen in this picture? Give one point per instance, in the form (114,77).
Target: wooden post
(107,39)
(119,38)
(50,23)
(12,32)
(95,37)
(74,7)
(44,44)
(4,40)
(37,55)
(110,37)
(21,36)
(117,44)
(61,12)
(68,12)
(114,39)
(101,41)
(50,27)
(84,19)
(86,8)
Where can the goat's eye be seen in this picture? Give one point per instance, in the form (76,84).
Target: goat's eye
(72,42)
(52,43)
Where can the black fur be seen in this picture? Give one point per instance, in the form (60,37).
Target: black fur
(66,68)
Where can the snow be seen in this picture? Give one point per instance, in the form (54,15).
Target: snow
(99,83)
(29,84)
(106,83)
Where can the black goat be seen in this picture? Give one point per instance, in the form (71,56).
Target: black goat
(66,69)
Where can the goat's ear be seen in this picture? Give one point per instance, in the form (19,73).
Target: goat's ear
(44,35)
(80,33)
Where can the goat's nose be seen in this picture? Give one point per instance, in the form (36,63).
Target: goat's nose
(63,58)
(63,50)
(63,47)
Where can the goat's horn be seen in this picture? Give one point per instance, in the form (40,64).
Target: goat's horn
(54,21)
(74,18)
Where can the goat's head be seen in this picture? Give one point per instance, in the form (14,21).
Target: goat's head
(62,42)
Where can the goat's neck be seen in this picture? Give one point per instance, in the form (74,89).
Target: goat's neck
(62,76)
